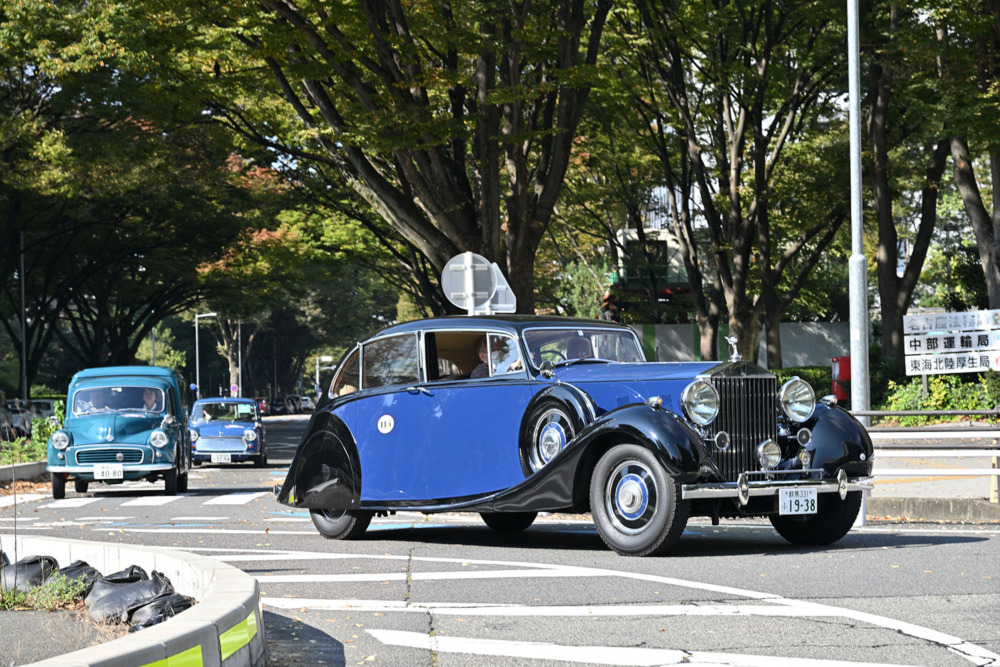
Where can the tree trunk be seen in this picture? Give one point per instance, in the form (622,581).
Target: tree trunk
(983,224)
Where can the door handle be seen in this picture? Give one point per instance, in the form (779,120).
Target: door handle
(415,389)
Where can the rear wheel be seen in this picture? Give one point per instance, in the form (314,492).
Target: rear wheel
(508,522)
(832,520)
(341,524)
(81,485)
(636,505)
(58,486)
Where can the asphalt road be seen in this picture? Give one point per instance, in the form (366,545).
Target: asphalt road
(445,590)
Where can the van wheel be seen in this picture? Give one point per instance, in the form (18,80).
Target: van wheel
(58,486)
(182,482)
(81,485)
(341,524)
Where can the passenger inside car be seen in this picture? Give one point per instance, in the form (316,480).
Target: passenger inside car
(579,348)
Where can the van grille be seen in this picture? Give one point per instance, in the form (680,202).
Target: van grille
(748,413)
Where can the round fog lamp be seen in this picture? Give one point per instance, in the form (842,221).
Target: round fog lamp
(768,454)
(722,441)
(804,436)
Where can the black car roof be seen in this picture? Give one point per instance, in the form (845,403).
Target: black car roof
(511,323)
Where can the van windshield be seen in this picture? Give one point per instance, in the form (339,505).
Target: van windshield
(118,398)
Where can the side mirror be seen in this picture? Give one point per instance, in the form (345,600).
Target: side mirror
(546,369)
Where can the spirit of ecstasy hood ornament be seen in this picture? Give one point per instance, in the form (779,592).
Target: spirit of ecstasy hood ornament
(734,355)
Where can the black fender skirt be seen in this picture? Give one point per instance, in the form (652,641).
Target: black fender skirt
(840,442)
(325,472)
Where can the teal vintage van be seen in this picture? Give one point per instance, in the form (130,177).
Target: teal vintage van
(122,423)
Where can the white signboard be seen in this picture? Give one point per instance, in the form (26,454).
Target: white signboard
(966,341)
(933,364)
(952,342)
(943,322)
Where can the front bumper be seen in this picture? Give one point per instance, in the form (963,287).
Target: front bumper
(745,487)
(130,472)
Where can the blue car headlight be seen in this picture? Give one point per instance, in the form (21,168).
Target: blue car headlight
(700,402)
(249,435)
(60,440)
(797,399)
(194,435)
(159,438)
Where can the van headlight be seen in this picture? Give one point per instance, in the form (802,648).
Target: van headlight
(797,399)
(700,402)
(159,439)
(60,440)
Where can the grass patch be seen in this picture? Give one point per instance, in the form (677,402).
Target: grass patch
(23,450)
(57,592)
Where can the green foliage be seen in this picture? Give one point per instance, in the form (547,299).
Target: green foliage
(944,392)
(818,377)
(57,592)
(166,354)
(22,450)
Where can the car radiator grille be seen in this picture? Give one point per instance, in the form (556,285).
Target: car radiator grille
(109,456)
(235,445)
(748,413)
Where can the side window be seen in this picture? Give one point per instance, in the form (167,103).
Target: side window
(505,357)
(346,380)
(391,361)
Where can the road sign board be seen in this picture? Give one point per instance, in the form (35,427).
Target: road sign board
(966,341)
(942,322)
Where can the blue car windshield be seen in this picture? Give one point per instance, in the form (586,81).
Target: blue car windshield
(118,398)
(580,343)
(234,412)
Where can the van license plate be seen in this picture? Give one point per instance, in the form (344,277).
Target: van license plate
(108,471)
(222,458)
(797,501)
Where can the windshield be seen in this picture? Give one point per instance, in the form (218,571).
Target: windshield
(234,412)
(118,398)
(564,345)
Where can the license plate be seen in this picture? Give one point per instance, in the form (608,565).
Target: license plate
(108,471)
(797,501)
(222,458)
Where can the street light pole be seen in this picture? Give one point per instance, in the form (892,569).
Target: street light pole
(197,360)
(325,359)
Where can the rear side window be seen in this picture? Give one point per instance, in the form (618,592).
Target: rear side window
(347,379)
(391,361)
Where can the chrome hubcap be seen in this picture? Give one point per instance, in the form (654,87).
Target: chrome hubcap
(550,434)
(630,497)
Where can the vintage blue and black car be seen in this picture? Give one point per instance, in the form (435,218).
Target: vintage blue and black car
(513,415)
(122,423)
(227,430)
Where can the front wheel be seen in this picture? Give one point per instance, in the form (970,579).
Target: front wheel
(636,505)
(58,486)
(81,485)
(170,481)
(508,522)
(341,524)
(832,520)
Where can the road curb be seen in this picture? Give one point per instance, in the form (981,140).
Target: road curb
(20,472)
(225,628)
(967,510)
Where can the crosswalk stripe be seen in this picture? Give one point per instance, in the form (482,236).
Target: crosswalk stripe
(70,502)
(151,501)
(235,498)
(8,501)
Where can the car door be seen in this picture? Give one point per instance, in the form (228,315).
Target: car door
(435,440)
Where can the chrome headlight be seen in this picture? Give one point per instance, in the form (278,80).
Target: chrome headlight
(60,440)
(797,400)
(159,438)
(249,435)
(194,435)
(768,454)
(700,402)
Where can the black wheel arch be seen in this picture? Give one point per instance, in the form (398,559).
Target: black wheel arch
(325,472)
(578,403)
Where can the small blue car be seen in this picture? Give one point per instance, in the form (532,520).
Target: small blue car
(122,423)
(227,430)
(513,415)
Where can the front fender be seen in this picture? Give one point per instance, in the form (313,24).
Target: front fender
(325,472)
(840,441)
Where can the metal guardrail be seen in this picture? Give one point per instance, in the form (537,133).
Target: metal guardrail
(972,433)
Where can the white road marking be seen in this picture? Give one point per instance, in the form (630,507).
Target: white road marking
(214,531)
(8,501)
(67,503)
(523,611)
(417,576)
(16,518)
(236,498)
(151,501)
(600,655)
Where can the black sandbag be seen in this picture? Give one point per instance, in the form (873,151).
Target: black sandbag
(81,571)
(117,605)
(3,559)
(159,609)
(111,582)
(27,573)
